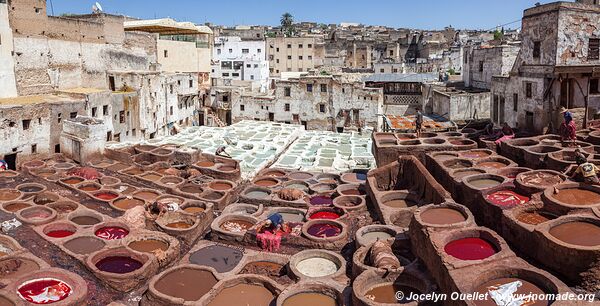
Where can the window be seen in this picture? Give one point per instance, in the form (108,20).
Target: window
(287,107)
(309,87)
(528,90)
(594,86)
(248,66)
(26,124)
(57,148)
(481,66)
(594,50)
(255,65)
(178,82)
(226,65)
(225,74)
(289,46)
(33,148)
(105,110)
(289,57)
(536,49)
(391,52)
(235,74)
(300,57)
(245,51)
(191,83)
(171,89)
(218,51)
(59,119)
(73,115)
(515,102)
(165,53)
(382,70)
(225,98)
(171,110)
(310,57)
(122,117)
(277,50)
(258,50)
(322,108)
(251,77)
(287,91)
(94,111)
(300,46)
(230,50)
(323,87)
(242,107)
(309,46)
(37,10)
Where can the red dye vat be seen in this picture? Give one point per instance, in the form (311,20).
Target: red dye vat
(324,230)
(44,291)
(60,234)
(112,233)
(107,196)
(118,264)
(470,249)
(506,198)
(324,215)
(321,201)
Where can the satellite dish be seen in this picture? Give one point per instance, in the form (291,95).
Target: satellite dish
(97,8)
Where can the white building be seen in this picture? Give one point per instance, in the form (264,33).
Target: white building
(241,60)
(8,87)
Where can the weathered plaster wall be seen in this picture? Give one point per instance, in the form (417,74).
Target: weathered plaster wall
(8,87)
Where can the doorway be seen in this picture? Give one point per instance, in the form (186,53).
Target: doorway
(228,117)
(201,118)
(271,116)
(11,161)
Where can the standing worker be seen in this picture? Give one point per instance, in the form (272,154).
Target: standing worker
(568,129)
(419,122)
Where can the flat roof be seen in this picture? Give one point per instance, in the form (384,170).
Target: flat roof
(35,99)
(165,26)
(402,77)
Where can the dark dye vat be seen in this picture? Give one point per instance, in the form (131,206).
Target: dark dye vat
(44,291)
(118,264)
(470,249)
(30,188)
(59,233)
(386,294)
(186,284)
(321,201)
(324,230)
(221,258)
(84,245)
(85,220)
(111,233)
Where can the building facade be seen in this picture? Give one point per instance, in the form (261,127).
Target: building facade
(241,60)
(293,54)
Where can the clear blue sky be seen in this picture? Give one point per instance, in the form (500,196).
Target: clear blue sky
(422,14)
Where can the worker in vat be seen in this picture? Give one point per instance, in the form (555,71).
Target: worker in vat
(419,122)
(586,171)
(3,165)
(568,129)
(505,133)
(221,152)
(273,224)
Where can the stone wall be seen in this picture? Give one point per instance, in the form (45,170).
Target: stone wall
(8,87)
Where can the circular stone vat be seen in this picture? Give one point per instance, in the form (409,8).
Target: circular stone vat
(476,154)
(434,141)
(59,230)
(349,203)
(574,195)
(111,232)
(266,268)
(399,199)
(266,182)
(109,181)
(579,233)
(323,187)
(105,195)
(428,135)
(7,195)
(205,164)
(85,218)
(236,223)
(44,173)
(462,173)
(328,178)
(471,248)
(63,207)
(171,180)
(187,283)
(246,290)
(316,264)
(84,245)
(36,215)
(532,284)
(194,208)
(89,187)
(543,149)
(351,190)
(118,264)
(44,291)
(273,173)
(452,134)
(297,184)
(151,176)
(45,198)
(31,188)
(14,267)
(34,164)
(444,156)
(257,193)
(512,172)
(293,215)
(374,288)
(535,217)
(371,233)
(354,178)
(210,195)
(226,168)
(325,214)
(493,163)
(146,195)
(126,203)
(191,189)
(442,215)
(13,207)
(321,200)
(483,181)
(414,142)
(461,142)
(322,229)
(457,163)
(64,166)
(148,245)
(220,185)
(539,180)
(72,180)
(222,258)
(523,142)
(300,176)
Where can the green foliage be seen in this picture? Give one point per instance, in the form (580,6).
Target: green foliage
(287,24)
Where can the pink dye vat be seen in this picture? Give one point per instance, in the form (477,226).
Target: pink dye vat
(506,198)
(324,230)
(112,233)
(44,291)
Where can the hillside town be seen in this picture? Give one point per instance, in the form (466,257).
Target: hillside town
(170,162)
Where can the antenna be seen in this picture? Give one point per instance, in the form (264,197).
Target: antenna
(97,8)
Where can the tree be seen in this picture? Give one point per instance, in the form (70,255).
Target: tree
(287,24)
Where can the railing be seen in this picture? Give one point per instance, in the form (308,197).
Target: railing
(402,99)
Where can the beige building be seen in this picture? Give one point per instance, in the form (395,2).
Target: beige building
(294,54)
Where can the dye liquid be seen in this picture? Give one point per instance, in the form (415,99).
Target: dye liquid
(506,198)
(186,284)
(527,288)
(321,201)
(85,220)
(303,299)
(324,215)
(244,294)
(112,233)
(442,216)
(221,258)
(59,233)
(148,246)
(84,245)
(577,197)
(118,264)
(317,267)
(470,249)
(179,225)
(387,294)
(324,230)
(44,291)
(577,233)
(535,218)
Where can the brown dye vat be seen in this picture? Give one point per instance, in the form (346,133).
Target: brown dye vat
(577,197)
(44,199)
(492,165)
(535,218)
(387,293)
(309,298)
(526,288)
(89,188)
(266,182)
(16,267)
(148,245)
(179,225)
(205,164)
(220,186)
(275,173)
(461,174)
(128,203)
(264,268)
(36,213)
(14,207)
(191,188)
(457,164)
(194,210)
(444,156)
(485,183)
(244,294)
(134,171)
(72,181)
(212,196)
(354,191)
(540,179)
(146,195)
(300,176)
(226,168)
(30,188)
(577,233)
(9,194)
(400,203)
(84,245)
(221,258)
(236,226)
(151,177)
(63,207)
(85,220)
(186,284)
(442,215)
(475,154)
